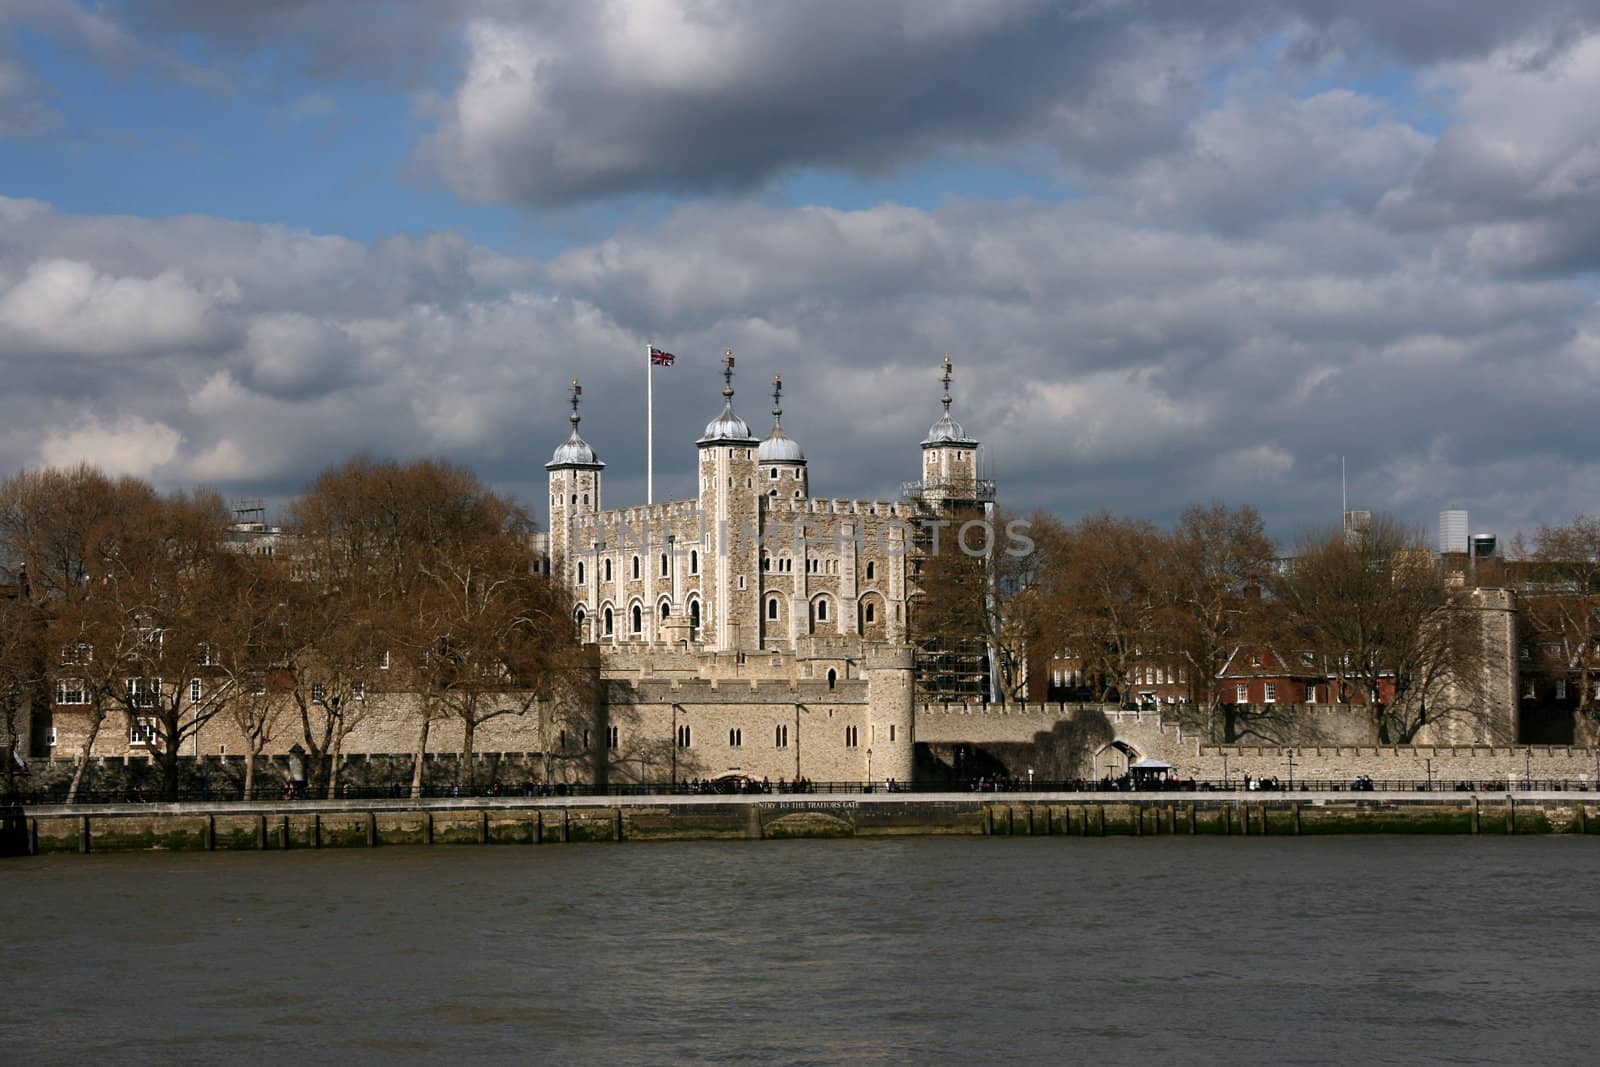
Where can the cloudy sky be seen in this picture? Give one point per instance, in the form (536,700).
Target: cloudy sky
(1180,250)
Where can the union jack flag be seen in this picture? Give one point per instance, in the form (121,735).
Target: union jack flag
(660,358)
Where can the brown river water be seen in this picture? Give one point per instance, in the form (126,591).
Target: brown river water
(914,951)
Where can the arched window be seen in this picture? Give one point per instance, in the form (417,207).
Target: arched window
(774,473)
(607,570)
(694,616)
(735,738)
(852,736)
(870,612)
(797,494)
(871,570)
(665,569)
(833,678)
(694,562)
(636,568)
(822,610)
(580,618)
(586,500)
(609,622)
(772,608)
(638,619)
(685,738)
(580,572)
(666,609)
(781,736)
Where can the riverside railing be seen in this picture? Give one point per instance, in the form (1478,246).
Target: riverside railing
(280,793)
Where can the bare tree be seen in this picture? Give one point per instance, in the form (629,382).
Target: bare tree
(1099,600)
(1212,571)
(1378,610)
(77,533)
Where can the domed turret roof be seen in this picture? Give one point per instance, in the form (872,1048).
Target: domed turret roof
(727,427)
(779,447)
(574,451)
(947,431)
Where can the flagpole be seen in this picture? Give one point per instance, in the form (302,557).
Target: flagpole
(649,427)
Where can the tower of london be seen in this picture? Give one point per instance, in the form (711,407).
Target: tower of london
(755,612)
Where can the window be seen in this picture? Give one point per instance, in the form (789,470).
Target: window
(208,654)
(694,562)
(797,476)
(694,615)
(773,473)
(606,570)
(71,691)
(258,685)
(822,611)
(1255,660)
(852,736)
(1311,694)
(636,568)
(666,609)
(50,738)
(77,653)
(1272,694)
(144,692)
(871,570)
(741,583)
(891,731)
(665,568)
(780,738)
(1241,694)
(1561,689)
(318,693)
(1527,690)
(608,622)
(358,690)
(613,737)
(143,732)
(638,619)
(833,677)
(735,738)
(580,573)
(871,612)
(772,608)
(685,738)
(383,660)
(195,691)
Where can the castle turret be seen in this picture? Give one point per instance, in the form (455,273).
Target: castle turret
(575,473)
(950,460)
(783,464)
(728,506)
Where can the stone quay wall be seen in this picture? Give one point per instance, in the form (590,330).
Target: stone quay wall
(370,824)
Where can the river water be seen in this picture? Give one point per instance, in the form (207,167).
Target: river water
(1169,950)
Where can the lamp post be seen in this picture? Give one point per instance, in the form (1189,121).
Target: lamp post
(1428,760)
(1030,779)
(1290,753)
(1227,783)
(1527,768)
(869,770)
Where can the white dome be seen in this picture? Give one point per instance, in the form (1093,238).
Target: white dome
(779,447)
(574,452)
(947,431)
(727,427)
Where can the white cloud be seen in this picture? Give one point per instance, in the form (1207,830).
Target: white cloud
(65,306)
(130,445)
